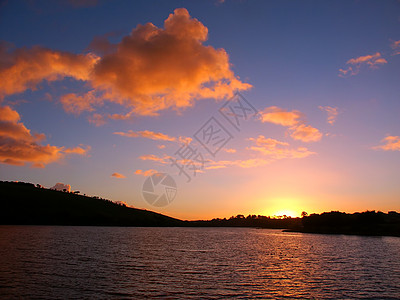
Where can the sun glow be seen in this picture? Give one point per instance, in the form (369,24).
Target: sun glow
(287,213)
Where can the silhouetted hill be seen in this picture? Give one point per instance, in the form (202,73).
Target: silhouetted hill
(23,203)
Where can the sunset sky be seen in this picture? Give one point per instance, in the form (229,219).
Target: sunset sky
(100,94)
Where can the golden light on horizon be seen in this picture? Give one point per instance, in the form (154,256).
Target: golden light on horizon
(289,206)
(287,213)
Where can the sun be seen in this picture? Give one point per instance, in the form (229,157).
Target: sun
(286,212)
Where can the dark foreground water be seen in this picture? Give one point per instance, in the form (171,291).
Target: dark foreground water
(209,263)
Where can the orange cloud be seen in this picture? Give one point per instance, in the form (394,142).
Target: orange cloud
(185,140)
(150,70)
(117,175)
(392,143)
(373,61)
(8,114)
(24,68)
(292,119)
(19,146)
(97,120)
(157,136)
(333,112)
(396,47)
(81,150)
(75,104)
(278,150)
(230,150)
(306,133)
(272,150)
(246,163)
(146,173)
(161,160)
(154,68)
(280,116)
(121,116)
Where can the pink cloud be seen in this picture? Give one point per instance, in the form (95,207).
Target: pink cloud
(373,61)
(278,150)
(333,112)
(391,143)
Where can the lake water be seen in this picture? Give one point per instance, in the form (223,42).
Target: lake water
(49,262)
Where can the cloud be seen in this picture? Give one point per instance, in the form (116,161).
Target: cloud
(185,140)
(81,150)
(154,69)
(373,61)
(22,69)
(152,157)
(146,173)
(61,187)
(245,164)
(19,146)
(126,116)
(294,120)
(157,136)
(391,143)
(271,149)
(230,150)
(278,150)
(117,175)
(305,133)
(97,120)
(74,104)
(280,116)
(333,112)
(396,47)
(7,114)
(150,70)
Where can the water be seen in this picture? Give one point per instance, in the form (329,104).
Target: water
(209,263)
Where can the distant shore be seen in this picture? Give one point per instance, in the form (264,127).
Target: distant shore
(28,204)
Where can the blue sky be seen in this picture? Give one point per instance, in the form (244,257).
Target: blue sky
(290,52)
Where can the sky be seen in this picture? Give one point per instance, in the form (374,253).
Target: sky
(252,107)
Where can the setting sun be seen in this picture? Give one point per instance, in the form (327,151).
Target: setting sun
(287,213)
(199,149)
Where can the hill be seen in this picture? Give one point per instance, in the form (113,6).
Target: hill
(364,223)
(25,204)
